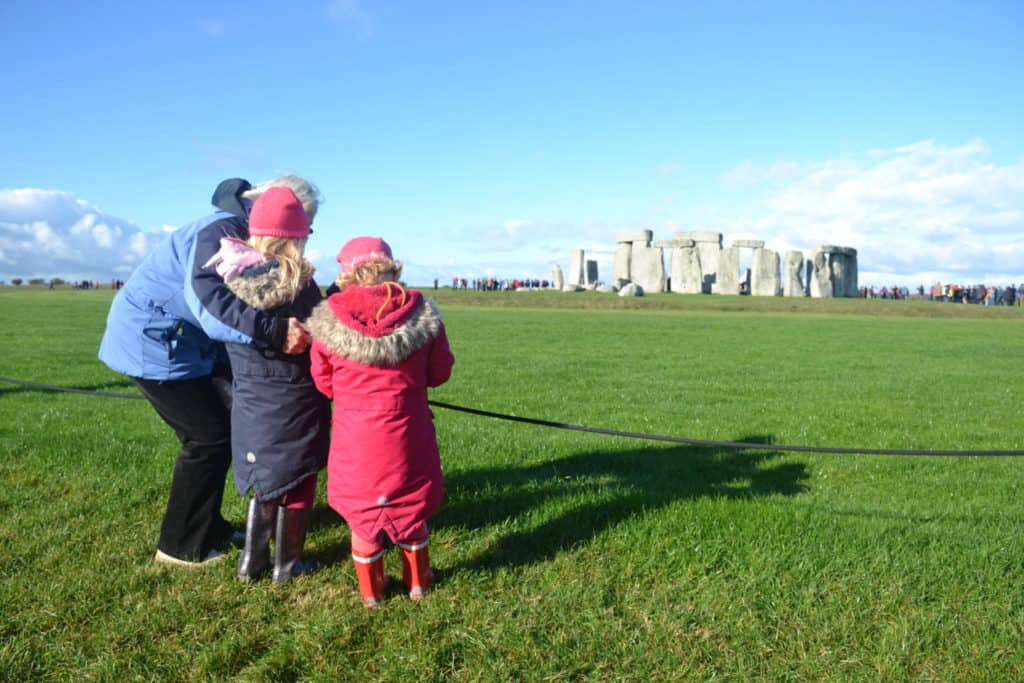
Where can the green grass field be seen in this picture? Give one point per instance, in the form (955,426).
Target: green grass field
(565,556)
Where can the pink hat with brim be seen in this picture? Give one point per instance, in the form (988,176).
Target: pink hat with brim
(363,250)
(279,213)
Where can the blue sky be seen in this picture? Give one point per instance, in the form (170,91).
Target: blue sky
(492,138)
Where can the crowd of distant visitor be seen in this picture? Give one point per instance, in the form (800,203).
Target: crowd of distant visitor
(972,294)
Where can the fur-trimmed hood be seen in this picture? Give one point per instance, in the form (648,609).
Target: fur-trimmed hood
(379,326)
(260,287)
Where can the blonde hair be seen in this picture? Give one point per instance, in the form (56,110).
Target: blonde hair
(287,251)
(370,273)
(305,191)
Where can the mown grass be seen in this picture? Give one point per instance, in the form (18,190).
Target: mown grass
(566,556)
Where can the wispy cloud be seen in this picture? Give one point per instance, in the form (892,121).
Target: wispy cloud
(351,13)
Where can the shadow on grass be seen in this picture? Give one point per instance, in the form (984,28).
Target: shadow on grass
(626,482)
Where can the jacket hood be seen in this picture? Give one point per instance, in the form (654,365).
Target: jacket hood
(375,311)
(228,196)
(379,326)
(260,287)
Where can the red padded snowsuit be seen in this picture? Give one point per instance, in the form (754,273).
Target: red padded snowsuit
(375,352)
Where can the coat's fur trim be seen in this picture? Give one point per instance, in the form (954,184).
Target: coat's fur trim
(260,287)
(386,351)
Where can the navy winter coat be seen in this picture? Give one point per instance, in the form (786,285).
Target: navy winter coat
(280,423)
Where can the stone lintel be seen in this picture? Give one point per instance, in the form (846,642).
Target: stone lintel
(672,244)
(644,236)
(749,244)
(698,236)
(832,249)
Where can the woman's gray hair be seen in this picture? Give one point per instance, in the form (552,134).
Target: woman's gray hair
(305,191)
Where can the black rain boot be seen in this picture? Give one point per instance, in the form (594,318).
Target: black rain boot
(288,542)
(255,558)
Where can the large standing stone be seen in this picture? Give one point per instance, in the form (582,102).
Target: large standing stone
(709,246)
(591,272)
(558,281)
(821,275)
(623,252)
(576,266)
(684,267)
(792,278)
(728,276)
(648,268)
(764,273)
(837,266)
(852,286)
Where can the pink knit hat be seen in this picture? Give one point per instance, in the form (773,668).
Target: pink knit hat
(361,250)
(278,213)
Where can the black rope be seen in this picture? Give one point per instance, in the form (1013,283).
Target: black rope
(740,445)
(68,390)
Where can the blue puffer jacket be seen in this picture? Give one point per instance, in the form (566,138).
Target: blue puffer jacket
(164,322)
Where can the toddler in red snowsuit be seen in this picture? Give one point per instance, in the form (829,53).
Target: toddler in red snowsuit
(377,347)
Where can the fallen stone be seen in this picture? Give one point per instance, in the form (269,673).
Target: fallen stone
(632,289)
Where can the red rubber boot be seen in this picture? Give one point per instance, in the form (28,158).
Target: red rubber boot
(416,568)
(370,572)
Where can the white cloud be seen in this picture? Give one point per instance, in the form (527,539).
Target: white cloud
(48,233)
(924,208)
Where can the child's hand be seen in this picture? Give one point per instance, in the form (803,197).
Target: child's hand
(298,339)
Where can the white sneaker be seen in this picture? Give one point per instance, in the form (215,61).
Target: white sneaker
(211,557)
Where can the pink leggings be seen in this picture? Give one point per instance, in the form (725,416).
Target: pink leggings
(365,547)
(299,497)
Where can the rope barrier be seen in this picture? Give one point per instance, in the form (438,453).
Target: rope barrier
(738,445)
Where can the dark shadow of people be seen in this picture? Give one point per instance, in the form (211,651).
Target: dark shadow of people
(625,482)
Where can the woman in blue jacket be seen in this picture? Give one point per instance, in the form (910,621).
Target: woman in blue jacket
(160,332)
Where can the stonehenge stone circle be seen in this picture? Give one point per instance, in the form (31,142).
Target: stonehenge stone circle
(697,263)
